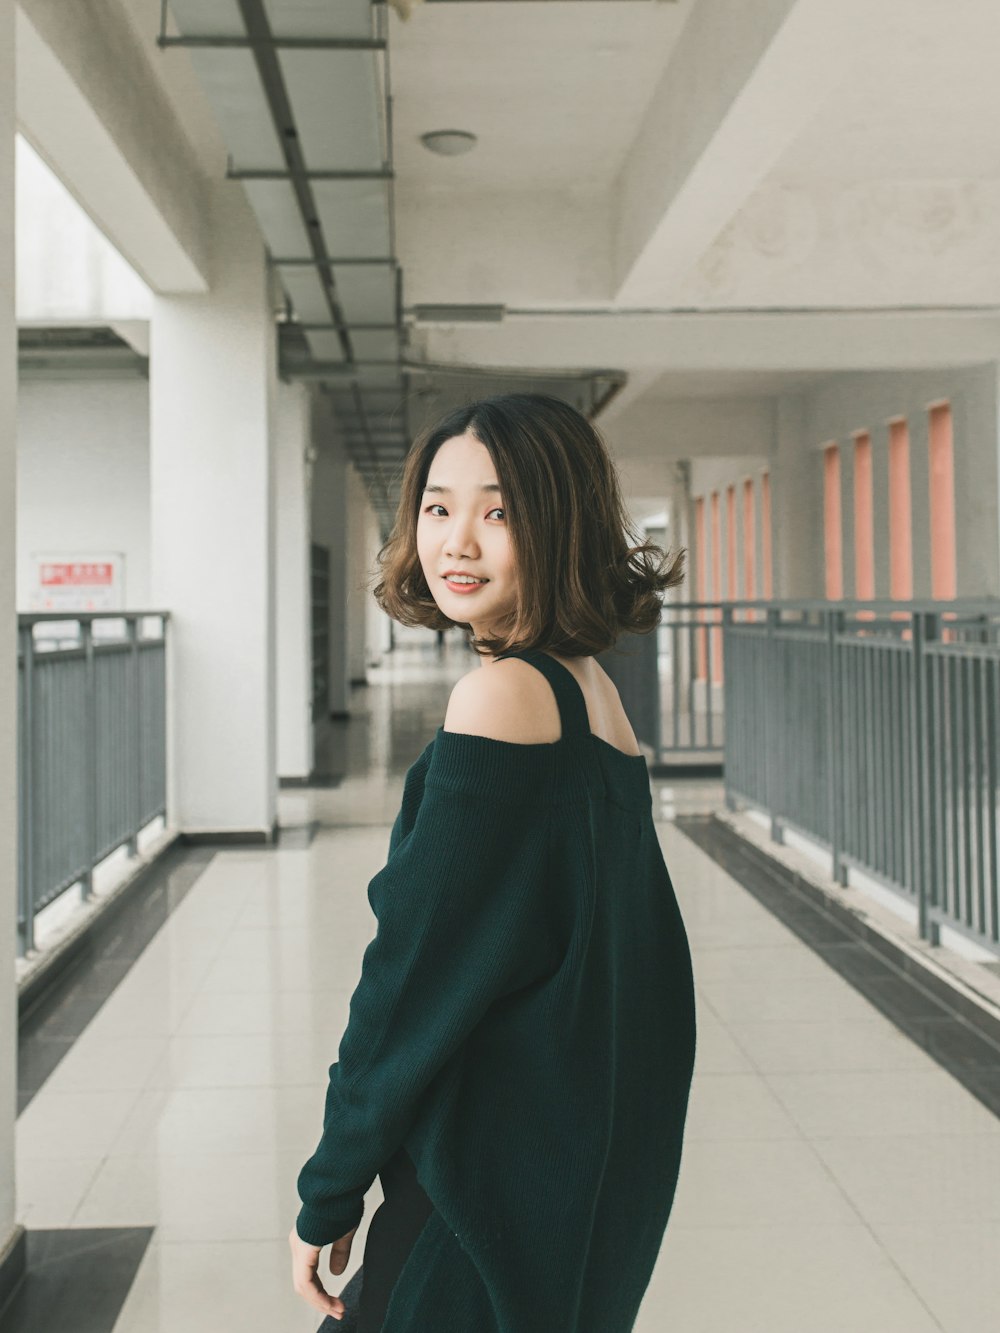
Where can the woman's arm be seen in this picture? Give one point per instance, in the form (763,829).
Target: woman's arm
(461,922)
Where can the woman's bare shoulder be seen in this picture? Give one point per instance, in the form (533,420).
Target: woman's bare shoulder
(503,701)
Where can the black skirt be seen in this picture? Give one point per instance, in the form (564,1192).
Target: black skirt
(392,1232)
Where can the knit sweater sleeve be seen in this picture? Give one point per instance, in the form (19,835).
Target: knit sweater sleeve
(462,922)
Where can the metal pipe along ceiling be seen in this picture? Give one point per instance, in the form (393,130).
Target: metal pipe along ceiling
(301,91)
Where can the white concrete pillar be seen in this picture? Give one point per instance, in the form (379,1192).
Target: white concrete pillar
(920,503)
(796,505)
(294,609)
(976,409)
(212,508)
(880,505)
(357,573)
(329,526)
(378,626)
(847,524)
(11,1236)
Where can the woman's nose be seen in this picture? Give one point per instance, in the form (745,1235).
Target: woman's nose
(460,541)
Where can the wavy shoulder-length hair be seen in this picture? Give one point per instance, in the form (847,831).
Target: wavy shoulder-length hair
(584,576)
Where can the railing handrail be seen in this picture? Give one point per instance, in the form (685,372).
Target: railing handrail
(32,617)
(986,605)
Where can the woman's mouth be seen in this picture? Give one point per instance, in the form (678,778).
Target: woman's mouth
(463,587)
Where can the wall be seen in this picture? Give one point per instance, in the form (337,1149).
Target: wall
(83,475)
(329,507)
(11,1237)
(717,474)
(867,401)
(292,410)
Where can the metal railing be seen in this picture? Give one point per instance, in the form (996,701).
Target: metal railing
(872,727)
(691,711)
(91,747)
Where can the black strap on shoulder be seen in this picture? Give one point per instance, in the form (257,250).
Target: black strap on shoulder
(569,697)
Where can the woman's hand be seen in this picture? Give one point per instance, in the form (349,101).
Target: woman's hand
(305,1271)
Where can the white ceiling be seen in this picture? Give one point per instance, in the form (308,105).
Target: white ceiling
(555,92)
(923,105)
(696,384)
(879,192)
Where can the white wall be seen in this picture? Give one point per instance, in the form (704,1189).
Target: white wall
(212,519)
(66,268)
(718,474)
(358,511)
(83,475)
(293,412)
(568,258)
(378,626)
(329,503)
(8,651)
(660,429)
(867,401)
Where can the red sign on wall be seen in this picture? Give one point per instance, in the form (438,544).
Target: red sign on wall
(76,575)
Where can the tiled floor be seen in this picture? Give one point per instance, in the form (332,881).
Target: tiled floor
(835,1179)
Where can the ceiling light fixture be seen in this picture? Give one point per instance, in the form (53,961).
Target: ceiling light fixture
(449,143)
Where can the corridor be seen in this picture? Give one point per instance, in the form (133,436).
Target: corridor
(835,1178)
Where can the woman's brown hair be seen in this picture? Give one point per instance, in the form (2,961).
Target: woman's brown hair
(581,584)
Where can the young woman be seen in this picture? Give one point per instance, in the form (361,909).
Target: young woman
(520,1046)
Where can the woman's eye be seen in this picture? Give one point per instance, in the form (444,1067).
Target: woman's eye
(498,510)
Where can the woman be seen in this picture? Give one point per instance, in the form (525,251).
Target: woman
(519,1051)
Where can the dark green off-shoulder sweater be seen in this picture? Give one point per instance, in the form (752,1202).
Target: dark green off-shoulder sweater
(524,1025)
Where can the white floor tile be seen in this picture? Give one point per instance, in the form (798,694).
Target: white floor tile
(797,1046)
(954,1269)
(213,1197)
(179,1122)
(779,1183)
(716,1050)
(918,1179)
(321,1012)
(881,1103)
(736,1106)
(245,1060)
(49,1189)
(59,1125)
(775,999)
(800,1278)
(214,1287)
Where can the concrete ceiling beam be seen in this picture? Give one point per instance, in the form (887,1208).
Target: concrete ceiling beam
(90,105)
(741,85)
(752,341)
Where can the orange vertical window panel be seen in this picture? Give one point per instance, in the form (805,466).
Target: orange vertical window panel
(864,519)
(749,542)
(701,580)
(864,522)
(832,528)
(944,566)
(716,586)
(732,590)
(749,546)
(900,515)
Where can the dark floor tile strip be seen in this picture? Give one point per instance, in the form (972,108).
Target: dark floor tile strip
(76,1278)
(938,1021)
(297,837)
(57,1007)
(955,1000)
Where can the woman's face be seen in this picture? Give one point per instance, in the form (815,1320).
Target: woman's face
(462,526)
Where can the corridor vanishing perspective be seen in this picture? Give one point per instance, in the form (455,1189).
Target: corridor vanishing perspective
(732,270)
